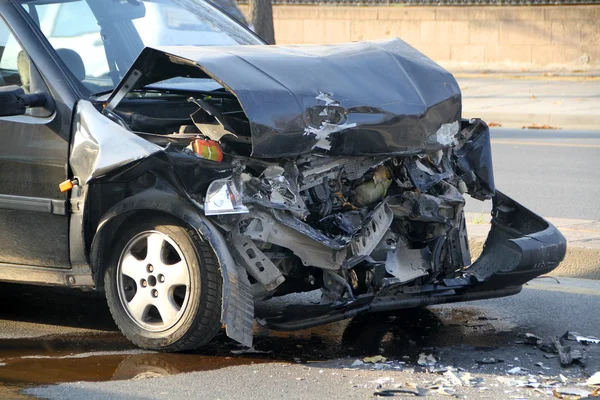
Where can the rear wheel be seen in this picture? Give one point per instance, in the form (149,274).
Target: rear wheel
(163,286)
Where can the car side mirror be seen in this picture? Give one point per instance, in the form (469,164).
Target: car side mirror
(14,100)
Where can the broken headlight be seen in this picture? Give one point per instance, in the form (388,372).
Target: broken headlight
(222,197)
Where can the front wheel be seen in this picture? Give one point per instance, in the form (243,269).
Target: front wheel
(163,286)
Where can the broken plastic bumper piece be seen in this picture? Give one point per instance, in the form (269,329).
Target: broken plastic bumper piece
(520,246)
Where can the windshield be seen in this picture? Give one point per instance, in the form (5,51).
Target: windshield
(99,39)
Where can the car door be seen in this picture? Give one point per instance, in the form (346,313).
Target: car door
(34,147)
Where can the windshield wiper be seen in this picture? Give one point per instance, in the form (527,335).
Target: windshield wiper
(102,93)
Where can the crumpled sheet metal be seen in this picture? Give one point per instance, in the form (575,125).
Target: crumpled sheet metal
(364,98)
(101,146)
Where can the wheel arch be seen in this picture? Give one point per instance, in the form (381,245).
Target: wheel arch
(237,312)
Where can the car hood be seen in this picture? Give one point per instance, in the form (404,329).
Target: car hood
(364,98)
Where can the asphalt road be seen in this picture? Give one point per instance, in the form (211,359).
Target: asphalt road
(554,173)
(71,338)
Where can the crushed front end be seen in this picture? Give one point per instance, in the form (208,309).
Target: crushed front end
(334,168)
(379,233)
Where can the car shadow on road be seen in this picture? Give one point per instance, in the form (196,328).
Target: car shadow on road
(55,306)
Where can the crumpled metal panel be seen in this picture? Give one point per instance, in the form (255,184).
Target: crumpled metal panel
(364,98)
(101,146)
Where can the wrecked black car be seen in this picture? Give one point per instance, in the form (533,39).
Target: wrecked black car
(159,151)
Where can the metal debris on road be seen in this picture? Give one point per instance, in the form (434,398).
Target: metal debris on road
(566,354)
(574,336)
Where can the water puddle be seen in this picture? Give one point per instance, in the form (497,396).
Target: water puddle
(104,354)
(109,356)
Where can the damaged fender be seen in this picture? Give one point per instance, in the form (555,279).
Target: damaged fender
(109,147)
(100,148)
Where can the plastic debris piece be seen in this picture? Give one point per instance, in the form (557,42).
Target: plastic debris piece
(514,371)
(453,379)
(530,338)
(446,391)
(356,363)
(375,359)
(426,359)
(594,380)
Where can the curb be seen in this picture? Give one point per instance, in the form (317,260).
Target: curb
(518,120)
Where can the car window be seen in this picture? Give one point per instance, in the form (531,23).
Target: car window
(100,39)
(9,54)
(73,31)
(73,20)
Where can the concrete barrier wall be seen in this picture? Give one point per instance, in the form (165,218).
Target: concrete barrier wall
(536,37)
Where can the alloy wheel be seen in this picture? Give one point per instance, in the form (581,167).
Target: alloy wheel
(153,281)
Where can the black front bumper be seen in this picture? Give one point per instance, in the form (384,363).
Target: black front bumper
(520,246)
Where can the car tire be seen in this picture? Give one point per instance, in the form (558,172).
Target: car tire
(163,286)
